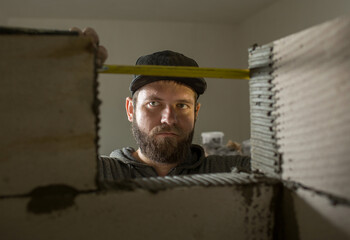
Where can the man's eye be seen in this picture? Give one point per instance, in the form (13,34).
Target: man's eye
(153,104)
(182,106)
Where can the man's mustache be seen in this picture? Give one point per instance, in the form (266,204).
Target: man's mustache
(166,129)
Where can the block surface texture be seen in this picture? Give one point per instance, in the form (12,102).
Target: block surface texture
(312,85)
(198,212)
(48,125)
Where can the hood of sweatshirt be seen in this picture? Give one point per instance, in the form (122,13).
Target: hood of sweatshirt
(196,157)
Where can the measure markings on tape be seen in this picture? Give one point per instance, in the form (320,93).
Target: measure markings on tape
(172,71)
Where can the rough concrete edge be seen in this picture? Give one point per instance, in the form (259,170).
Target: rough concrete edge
(156,184)
(261,63)
(333,199)
(96,110)
(4,30)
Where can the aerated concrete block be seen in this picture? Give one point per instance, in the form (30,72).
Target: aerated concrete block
(48,122)
(311,79)
(300,115)
(229,212)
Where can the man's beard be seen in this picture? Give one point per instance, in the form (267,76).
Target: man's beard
(163,150)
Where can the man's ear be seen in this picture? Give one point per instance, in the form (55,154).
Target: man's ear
(129,108)
(198,106)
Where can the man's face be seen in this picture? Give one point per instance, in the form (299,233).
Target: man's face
(163,120)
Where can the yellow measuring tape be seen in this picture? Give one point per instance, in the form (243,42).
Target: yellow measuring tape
(156,70)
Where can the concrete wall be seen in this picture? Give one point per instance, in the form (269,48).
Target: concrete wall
(309,87)
(309,214)
(312,211)
(48,162)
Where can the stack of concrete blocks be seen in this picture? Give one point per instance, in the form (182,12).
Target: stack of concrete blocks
(301,127)
(48,161)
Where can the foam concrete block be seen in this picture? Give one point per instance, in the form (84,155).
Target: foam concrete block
(313,124)
(311,216)
(48,124)
(231,212)
(300,111)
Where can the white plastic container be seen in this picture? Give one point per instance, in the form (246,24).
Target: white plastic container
(213,137)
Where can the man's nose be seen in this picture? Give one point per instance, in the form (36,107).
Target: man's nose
(169,116)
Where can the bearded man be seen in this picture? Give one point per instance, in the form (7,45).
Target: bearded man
(163,112)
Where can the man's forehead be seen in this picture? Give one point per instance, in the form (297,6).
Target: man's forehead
(166,89)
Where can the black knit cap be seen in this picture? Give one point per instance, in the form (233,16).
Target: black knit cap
(167,58)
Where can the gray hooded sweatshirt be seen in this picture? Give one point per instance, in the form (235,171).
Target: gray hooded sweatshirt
(122,165)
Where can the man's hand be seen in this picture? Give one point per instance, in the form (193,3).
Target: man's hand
(101,50)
